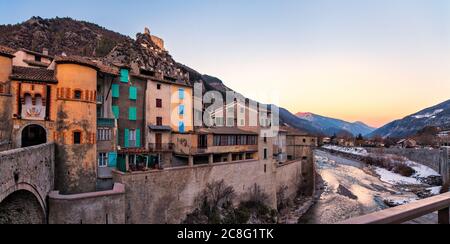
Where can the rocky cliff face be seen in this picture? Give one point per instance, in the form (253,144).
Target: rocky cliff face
(61,35)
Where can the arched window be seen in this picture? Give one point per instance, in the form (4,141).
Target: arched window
(38,101)
(77,94)
(28,100)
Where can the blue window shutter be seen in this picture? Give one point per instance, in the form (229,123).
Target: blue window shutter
(138,138)
(133,93)
(181,110)
(181,127)
(124,75)
(126,136)
(132,113)
(116,111)
(112,160)
(115,91)
(181,93)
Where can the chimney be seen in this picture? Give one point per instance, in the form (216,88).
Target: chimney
(45,51)
(146,31)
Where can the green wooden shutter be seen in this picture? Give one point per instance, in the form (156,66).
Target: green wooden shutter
(124,75)
(132,113)
(116,111)
(181,93)
(181,127)
(126,140)
(181,110)
(138,138)
(115,91)
(133,93)
(112,160)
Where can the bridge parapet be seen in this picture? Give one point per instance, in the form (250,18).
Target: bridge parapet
(28,169)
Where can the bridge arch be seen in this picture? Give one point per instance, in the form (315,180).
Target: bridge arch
(22,204)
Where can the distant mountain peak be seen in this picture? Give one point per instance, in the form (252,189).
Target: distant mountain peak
(436,116)
(331,126)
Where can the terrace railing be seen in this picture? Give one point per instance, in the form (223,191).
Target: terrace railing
(412,211)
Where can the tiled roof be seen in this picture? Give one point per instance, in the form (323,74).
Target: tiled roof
(106,68)
(75,60)
(6,51)
(33,74)
(36,63)
(37,53)
(293,132)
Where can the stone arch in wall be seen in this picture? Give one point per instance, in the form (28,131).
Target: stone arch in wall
(32,135)
(22,206)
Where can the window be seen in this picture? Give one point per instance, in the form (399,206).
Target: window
(242,122)
(124,75)
(181,93)
(304,140)
(158,86)
(217,140)
(132,138)
(242,110)
(132,113)
(77,137)
(158,103)
(181,109)
(28,100)
(102,160)
(265,139)
(265,153)
(77,94)
(159,121)
(37,58)
(115,91)
(203,141)
(104,134)
(133,93)
(230,122)
(181,127)
(219,121)
(38,101)
(116,111)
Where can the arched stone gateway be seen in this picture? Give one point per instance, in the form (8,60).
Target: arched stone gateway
(21,207)
(33,135)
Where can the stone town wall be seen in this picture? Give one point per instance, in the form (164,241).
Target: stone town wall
(168,196)
(426,157)
(107,207)
(289,176)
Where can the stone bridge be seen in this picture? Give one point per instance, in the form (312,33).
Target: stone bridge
(26,179)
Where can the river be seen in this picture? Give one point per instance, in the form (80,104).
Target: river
(349,190)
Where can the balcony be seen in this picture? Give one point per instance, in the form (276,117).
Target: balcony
(160,147)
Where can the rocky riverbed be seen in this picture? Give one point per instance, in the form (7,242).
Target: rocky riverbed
(349,189)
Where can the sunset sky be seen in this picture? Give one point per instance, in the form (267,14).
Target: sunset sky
(359,60)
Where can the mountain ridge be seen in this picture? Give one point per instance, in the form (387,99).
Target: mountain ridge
(336,126)
(437,116)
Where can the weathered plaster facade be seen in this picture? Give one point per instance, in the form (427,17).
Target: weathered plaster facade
(77,167)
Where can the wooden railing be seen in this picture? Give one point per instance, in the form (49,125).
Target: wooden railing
(412,211)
